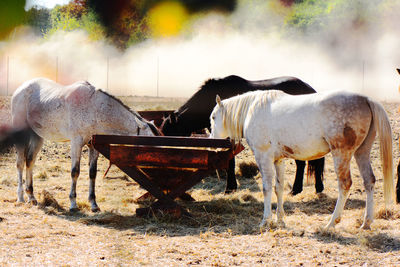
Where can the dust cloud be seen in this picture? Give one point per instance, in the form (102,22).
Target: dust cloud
(350,55)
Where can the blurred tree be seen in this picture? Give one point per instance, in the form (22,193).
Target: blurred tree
(11,15)
(124,20)
(127,22)
(75,15)
(38,19)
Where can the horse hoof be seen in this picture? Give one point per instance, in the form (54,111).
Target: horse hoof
(294,192)
(95,209)
(73,210)
(266,224)
(366,225)
(281,224)
(33,202)
(229,191)
(186,197)
(319,189)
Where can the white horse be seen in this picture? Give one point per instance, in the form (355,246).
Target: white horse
(306,127)
(47,110)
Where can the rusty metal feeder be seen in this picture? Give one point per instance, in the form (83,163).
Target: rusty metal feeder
(166,166)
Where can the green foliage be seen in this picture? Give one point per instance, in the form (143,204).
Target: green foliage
(11,15)
(320,15)
(309,13)
(91,25)
(127,27)
(75,16)
(38,19)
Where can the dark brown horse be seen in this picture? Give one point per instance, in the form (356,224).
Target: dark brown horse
(194,115)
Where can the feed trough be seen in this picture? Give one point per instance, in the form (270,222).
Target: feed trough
(166,166)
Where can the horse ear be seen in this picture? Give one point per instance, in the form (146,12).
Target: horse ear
(218,100)
(398,70)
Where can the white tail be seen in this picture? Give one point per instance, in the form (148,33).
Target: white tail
(382,125)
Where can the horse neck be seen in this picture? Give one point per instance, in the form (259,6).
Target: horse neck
(185,125)
(237,110)
(117,117)
(287,84)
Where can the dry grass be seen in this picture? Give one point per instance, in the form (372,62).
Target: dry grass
(248,169)
(223,230)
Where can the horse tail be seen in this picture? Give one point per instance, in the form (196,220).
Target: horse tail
(316,168)
(381,122)
(10,137)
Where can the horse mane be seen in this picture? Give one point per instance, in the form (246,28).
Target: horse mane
(135,113)
(209,86)
(237,108)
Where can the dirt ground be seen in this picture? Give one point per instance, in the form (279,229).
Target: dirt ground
(222,232)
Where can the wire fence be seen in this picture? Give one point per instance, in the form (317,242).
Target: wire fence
(13,74)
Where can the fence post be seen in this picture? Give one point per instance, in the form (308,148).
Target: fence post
(8,72)
(108,67)
(56,68)
(363,76)
(158,72)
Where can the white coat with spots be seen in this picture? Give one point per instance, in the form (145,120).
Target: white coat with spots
(51,111)
(306,127)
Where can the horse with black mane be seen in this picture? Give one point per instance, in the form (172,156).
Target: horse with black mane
(193,116)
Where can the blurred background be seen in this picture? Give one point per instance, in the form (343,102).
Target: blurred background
(169,48)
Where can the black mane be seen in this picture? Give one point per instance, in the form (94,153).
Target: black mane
(213,86)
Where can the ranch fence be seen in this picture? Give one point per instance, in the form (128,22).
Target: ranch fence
(12,76)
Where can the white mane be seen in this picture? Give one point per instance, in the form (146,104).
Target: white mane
(236,109)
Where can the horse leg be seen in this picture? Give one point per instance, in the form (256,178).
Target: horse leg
(279,185)
(76,150)
(364,165)
(266,165)
(93,156)
(317,168)
(20,169)
(362,156)
(231,184)
(298,181)
(342,169)
(34,147)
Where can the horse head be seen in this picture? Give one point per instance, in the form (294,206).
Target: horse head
(172,125)
(216,120)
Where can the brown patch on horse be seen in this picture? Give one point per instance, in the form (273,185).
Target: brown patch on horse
(37,125)
(344,176)
(346,182)
(349,136)
(288,150)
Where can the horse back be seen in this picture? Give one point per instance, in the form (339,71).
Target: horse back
(287,84)
(49,108)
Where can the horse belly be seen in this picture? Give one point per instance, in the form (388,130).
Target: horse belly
(300,139)
(314,149)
